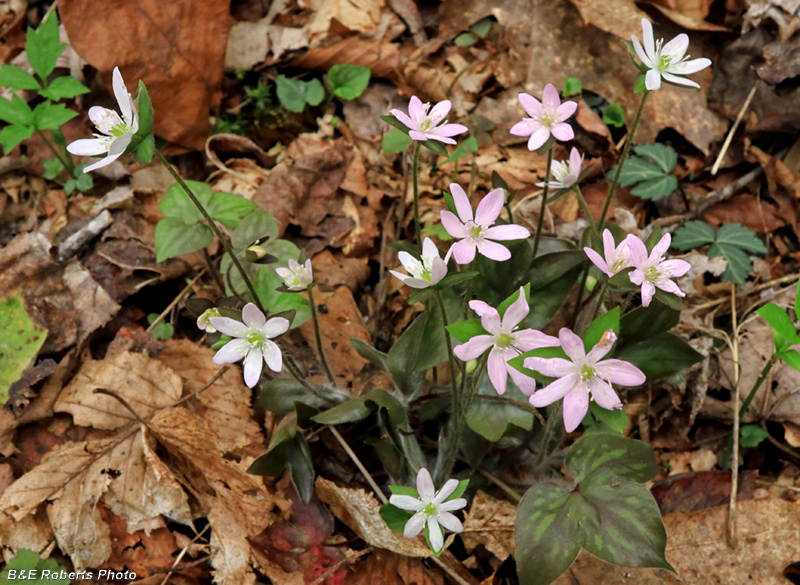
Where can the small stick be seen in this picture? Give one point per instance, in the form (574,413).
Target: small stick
(760,287)
(442,565)
(501,484)
(358,463)
(732,131)
(176,300)
(206,386)
(732,539)
(183,552)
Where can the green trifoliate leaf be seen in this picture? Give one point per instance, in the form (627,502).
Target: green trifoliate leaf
(229,209)
(314,92)
(177,204)
(83,181)
(257,225)
(175,237)
(735,234)
(16,111)
(43,47)
(49,116)
(637,169)
(655,189)
(63,88)
(739,265)
(693,234)
(395,141)
(614,115)
(349,81)
(16,78)
(10,136)
(664,156)
(52,168)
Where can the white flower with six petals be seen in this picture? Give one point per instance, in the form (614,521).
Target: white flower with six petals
(427,271)
(565,174)
(298,276)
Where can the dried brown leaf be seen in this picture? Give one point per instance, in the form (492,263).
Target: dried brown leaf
(490,522)
(356,15)
(388,568)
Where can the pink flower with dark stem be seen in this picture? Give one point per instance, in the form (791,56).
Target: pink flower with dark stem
(546,118)
(653,271)
(477,233)
(506,343)
(616,259)
(583,375)
(424,124)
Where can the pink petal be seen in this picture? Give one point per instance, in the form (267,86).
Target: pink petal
(464,251)
(553,392)
(669,286)
(572,344)
(638,251)
(496,367)
(565,110)
(272,355)
(604,394)
(661,247)
(516,312)
(620,372)
(449,130)
(489,208)
(563,132)
(526,384)
(648,290)
(636,276)
(576,160)
(550,98)
(451,505)
(447,489)
(403,117)
(576,405)
(598,261)
(490,318)
(452,224)
(493,251)
(414,135)
(524,128)
(229,326)
(415,108)
(506,232)
(531,105)
(433,136)
(231,352)
(252,316)
(474,348)
(440,110)
(609,247)
(252,367)
(425,487)
(449,521)
(598,352)
(461,201)
(538,138)
(275,326)
(528,339)
(652,80)
(552,367)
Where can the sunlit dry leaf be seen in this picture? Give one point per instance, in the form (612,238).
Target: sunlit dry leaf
(490,522)
(356,15)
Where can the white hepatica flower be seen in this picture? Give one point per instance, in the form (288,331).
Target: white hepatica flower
(431,508)
(298,276)
(616,259)
(252,341)
(565,174)
(203,323)
(115,132)
(668,61)
(425,272)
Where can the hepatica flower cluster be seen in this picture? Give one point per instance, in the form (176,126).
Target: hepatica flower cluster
(455,295)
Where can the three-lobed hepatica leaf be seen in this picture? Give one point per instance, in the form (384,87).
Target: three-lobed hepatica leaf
(732,241)
(607,512)
(652,170)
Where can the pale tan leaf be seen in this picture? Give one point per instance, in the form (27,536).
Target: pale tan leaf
(94,305)
(357,15)
(145,383)
(490,522)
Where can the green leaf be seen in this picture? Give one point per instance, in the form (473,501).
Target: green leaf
(279,395)
(291,93)
(392,121)
(20,341)
(395,517)
(62,88)
(349,81)
(492,419)
(70,186)
(46,571)
(357,409)
(614,115)
(693,234)
(605,421)
(466,330)
(48,116)
(637,169)
(655,189)
(16,78)
(395,141)
(145,131)
(176,203)
(639,84)
(402,490)
(611,455)
(83,181)
(174,237)
(670,300)
(10,136)
(267,281)
(162,330)
(664,156)
(735,234)
(752,435)
(594,332)
(462,150)
(256,225)
(229,209)
(572,86)
(739,265)
(791,357)
(660,356)
(402,358)
(482,27)
(144,152)
(52,168)
(644,322)
(465,39)
(783,330)
(43,46)
(462,487)
(298,462)
(546,302)
(375,357)
(433,347)
(16,111)
(314,92)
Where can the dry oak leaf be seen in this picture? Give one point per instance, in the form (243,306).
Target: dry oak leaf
(490,522)
(361,512)
(388,568)
(176,48)
(360,16)
(146,384)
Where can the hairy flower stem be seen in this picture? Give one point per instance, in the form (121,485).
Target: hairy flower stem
(223,240)
(510,214)
(579,298)
(317,335)
(600,297)
(613,188)
(540,223)
(452,439)
(415,172)
(745,407)
(66,162)
(451,358)
(585,206)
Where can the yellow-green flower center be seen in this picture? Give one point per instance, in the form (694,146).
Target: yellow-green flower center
(430,509)
(255,339)
(664,62)
(548,119)
(503,340)
(651,273)
(475,232)
(586,372)
(119,130)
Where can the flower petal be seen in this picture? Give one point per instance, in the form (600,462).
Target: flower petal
(403,117)
(620,372)
(451,505)
(435,534)
(416,109)
(531,105)
(598,261)
(553,392)
(563,132)
(572,344)
(272,355)
(453,225)
(440,110)
(640,52)
(447,489)
(689,67)
(524,128)
(275,326)
(438,270)
(102,163)
(448,130)
(538,138)
(433,136)
(676,48)
(604,394)
(496,367)
(649,41)
(526,384)
(415,135)
(229,326)
(576,405)
(528,339)
(473,348)
(652,80)
(425,487)
(464,251)
(490,318)
(252,367)
(461,201)
(638,251)
(122,95)
(669,286)
(489,208)
(450,522)
(252,316)
(506,232)
(566,110)
(516,312)
(550,98)
(553,367)
(648,290)
(409,503)
(493,251)
(231,352)
(576,161)
(414,525)
(661,247)
(679,80)
(89,147)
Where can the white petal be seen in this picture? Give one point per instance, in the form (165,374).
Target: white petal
(640,52)
(252,317)
(572,344)
(229,326)
(409,503)
(452,505)
(689,67)
(89,147)
(649,41)
(252,368)
(450,522)
(435,534)
(272,355)
(232,352)
(121,93)
(652,80)
(676,48)
(415,525)
(425,487)
(680,80)
(447,489)
(275,326)
(604,394)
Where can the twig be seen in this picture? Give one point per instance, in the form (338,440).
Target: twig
(732,539)
(760,287)
(123,402)
(455,576)
(358,463)
(69,247)
(501,484)
(724,150)
(176,300)
(347,560)
(205,387)
(183,552)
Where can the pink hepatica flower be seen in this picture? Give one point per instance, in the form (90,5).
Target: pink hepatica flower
(653,271)
(546,118)
(476,233)
(424,125)
(616,260)
(427,271)
(668,61)
(115,132)
(431,509)
(252,342)
(505,343)
(565,174)
(298,276)
(581,375)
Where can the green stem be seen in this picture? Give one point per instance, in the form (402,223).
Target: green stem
(317,335)
(746,406)
(223,240)
(415,171)
(600,296)
(294,370)
(626,303)
(585,206)
(67,163)
(622,160)
(540,223)
(450,357)
(510,214)
(578,300)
